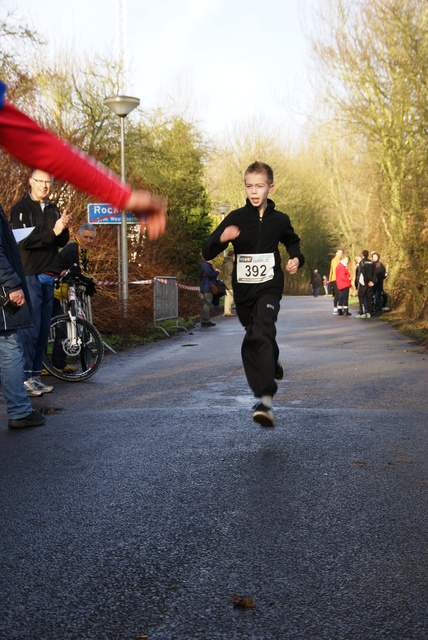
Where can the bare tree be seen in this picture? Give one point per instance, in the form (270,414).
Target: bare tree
(373,59)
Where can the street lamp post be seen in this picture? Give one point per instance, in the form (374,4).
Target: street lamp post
(122,106)
(223,209)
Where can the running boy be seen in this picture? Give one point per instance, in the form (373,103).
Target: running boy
(255,231)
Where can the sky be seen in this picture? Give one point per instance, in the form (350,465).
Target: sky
(227,61)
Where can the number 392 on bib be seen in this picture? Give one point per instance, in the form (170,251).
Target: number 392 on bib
(254,268)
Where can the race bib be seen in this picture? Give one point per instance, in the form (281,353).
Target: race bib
(254,268)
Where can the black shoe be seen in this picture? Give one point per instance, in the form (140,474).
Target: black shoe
(207,324)
(279,371)
(35,419)
(263,415)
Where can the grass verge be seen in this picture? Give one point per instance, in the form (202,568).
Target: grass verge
(415,329)
(149,333)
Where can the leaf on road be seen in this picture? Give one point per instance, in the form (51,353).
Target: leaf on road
(400,461)
(242,602)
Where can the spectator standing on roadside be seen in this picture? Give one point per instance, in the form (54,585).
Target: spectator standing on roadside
(332,279)
(316,283)
(255,231)
(39,255)
(380,276)
(226,274)
(13,285)
(208,276)
(365,284)
(325,284)
(343,282)
(357,261)
(74,257)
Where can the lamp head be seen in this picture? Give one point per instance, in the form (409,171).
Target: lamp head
(121,105)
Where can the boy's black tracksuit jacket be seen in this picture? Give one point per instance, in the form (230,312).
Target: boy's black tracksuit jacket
(257,236)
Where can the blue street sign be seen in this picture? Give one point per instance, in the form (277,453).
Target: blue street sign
(97,213)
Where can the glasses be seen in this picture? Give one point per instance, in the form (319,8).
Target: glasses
(47,182)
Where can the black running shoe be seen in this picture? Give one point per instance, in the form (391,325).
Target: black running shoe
(263,415)
(34,419)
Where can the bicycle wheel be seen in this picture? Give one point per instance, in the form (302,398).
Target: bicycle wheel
(75,349)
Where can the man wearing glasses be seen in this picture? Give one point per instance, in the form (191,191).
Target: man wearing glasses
(39,255)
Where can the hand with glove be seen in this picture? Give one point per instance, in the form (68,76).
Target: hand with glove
(90,288)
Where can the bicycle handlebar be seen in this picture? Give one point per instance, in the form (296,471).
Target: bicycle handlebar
(64,276)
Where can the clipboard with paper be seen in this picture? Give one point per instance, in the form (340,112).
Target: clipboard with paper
(21,234)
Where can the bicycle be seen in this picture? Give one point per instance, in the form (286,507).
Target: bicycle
(75,348)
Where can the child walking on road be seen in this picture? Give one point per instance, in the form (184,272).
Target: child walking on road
(255,231)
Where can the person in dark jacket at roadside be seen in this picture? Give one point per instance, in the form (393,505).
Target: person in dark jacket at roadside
(380,276)
(39,255)
(75,256)
(366,280)
(316,282)
(255,231)
(13,286)
(208,276)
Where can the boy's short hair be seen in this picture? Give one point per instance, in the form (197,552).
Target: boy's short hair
(260,167)
(365,253)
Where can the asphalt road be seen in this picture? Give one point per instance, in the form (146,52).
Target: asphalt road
(152,497)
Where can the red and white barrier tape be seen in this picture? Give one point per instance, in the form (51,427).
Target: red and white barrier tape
(103,283)
(183,286)
(111,283)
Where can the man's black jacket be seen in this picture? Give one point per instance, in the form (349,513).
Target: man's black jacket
(367,271)
(39,251)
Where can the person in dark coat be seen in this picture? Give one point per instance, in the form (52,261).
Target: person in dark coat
(366,279)
(208,276)
(39,255)
(316,282)
(380,276)
(13,287)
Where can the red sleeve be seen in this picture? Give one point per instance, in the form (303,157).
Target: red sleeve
(36,147)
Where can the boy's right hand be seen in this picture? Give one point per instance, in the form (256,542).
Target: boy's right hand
(230,233)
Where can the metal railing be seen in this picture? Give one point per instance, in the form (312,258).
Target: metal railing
(165,301)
